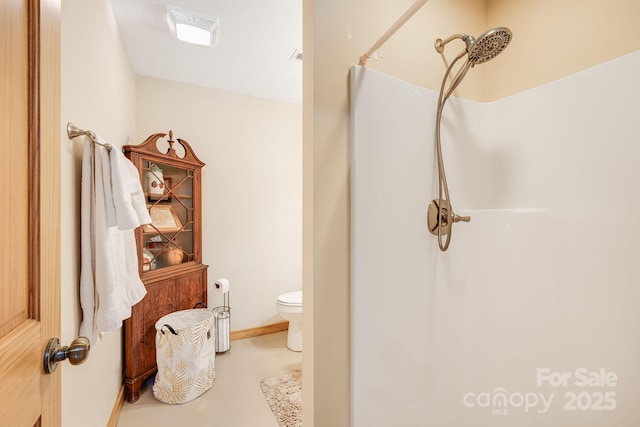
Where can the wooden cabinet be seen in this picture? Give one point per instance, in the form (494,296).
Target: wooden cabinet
(169,249)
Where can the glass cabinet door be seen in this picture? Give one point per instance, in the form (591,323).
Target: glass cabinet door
(169,240)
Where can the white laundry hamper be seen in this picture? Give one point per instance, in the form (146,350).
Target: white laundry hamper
(185,355)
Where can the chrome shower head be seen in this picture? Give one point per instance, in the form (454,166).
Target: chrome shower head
(489,45)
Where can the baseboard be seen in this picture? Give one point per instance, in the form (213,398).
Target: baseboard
(260,330)
(117,408)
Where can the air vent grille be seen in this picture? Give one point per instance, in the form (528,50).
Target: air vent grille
(186,18)
(192,27)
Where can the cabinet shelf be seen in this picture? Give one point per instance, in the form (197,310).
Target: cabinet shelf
(179,196)
(165,232)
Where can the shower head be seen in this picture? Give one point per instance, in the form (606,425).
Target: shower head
(486,47)
(489,45)
(482,49)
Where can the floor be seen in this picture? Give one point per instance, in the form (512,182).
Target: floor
(235,400)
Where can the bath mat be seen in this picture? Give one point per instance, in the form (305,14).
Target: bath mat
(284,395)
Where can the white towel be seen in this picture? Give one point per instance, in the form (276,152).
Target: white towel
(109,281)
(131,212)
(87,247)
(128,196)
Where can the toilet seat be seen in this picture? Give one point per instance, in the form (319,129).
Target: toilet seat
(291,299)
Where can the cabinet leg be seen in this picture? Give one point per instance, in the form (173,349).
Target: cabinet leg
(132,391)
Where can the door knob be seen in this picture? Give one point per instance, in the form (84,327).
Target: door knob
(77,353)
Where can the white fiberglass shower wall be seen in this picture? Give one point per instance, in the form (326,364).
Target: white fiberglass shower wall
(531,317)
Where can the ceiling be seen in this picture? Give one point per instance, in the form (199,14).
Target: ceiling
(256,41)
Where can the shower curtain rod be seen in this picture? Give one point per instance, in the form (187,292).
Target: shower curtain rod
(391,31)
(73,131)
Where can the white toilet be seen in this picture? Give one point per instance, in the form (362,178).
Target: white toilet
(289,306)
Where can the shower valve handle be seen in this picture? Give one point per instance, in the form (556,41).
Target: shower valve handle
(458,218)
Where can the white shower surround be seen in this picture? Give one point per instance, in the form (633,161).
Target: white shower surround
(546,275)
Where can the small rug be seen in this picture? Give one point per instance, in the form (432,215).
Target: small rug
(284,395)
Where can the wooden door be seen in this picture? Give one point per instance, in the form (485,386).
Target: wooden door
(30,210)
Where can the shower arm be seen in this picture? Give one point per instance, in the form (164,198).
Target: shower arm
(439,43)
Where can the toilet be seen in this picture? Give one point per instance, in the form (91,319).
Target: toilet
(289,307)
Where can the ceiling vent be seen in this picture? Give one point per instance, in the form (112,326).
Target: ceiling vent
(192,27)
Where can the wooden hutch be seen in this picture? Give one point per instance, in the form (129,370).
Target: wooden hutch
(169,249)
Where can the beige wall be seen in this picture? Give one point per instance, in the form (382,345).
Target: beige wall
(410,54)
(97,93)
(336,33)
(251,187)
(553,39)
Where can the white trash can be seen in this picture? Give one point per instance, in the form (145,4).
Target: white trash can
(185,355)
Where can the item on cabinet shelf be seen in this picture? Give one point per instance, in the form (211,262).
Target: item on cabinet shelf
(164,218)
(154,182)
(148,260)
(171,256)
(156,242)
(166,196)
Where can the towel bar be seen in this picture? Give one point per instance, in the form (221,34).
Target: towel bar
(73,131)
